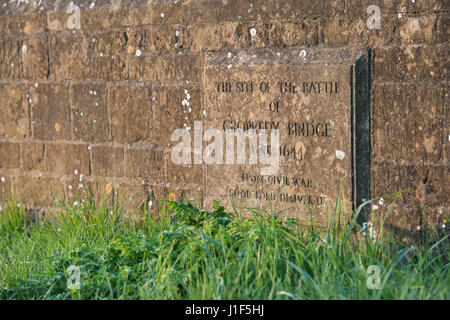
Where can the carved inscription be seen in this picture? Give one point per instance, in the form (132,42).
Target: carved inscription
(310,104)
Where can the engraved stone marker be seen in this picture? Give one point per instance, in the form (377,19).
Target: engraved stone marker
(317,99)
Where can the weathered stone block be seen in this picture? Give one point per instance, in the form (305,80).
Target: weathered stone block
(184,174)
(103,191)
(342,31)
(392,7)
(14,109)
(421,29)
(10,62)
(23,22)
(50,112)
(410,63)
(152,68)
(76,189)
(131,113)
(9,24)
(228,36)
(34,22)
(175,107)
(217,11)
(188,67)
(213,37)
(32,154)
(10,155)
(293,9)
(35,59)
(63,158)
(107,161)
(69,57)
(90,112)
(426,183)
(158,12)
(408,122)
(38,191)
(161,39)
(144,161)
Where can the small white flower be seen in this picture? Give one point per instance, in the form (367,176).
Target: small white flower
(253,32)
(418,227)
(138,52)
(76,171)
(75,203)
(374,207)
(443,226)
(162,15)
(3,179)
(381,201)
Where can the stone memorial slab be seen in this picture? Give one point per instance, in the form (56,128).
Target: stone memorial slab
(316,101)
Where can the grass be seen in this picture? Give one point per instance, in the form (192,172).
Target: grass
(187,253)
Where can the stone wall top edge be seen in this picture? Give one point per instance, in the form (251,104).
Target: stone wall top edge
(301,55)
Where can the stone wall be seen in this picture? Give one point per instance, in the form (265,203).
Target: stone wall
(87,104)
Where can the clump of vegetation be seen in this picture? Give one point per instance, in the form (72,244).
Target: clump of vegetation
(188,253)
